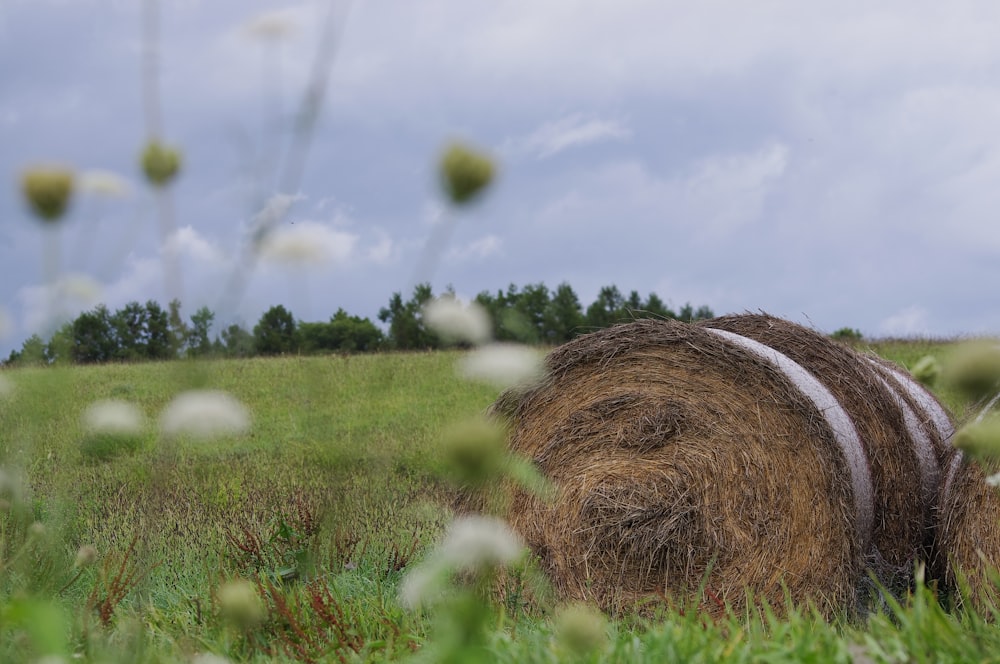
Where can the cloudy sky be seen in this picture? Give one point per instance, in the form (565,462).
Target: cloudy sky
(836,163)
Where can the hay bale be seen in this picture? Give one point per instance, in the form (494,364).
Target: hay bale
(904,459)
(968,530)
(682,457)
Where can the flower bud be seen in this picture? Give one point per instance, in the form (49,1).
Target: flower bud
(240,604)
(160,163)
(85,556)
(927,370)
(48,191)
(475,451)
(464,173)
(581,629)
(974,369)
(980,439)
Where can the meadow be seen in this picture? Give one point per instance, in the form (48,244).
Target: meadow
(115,552)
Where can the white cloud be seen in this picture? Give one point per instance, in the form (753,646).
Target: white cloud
(559,135)
(910,321)
(45,306)
(384,249)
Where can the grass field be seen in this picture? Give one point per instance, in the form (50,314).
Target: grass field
(333,495)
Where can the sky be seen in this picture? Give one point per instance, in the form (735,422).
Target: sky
(835,163)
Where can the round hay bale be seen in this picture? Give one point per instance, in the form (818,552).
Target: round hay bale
(683,459)
(905,466)
(968,530)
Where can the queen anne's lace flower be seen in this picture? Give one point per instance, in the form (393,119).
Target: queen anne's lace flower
(204,414)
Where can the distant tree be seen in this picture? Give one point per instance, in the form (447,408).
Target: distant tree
(59,349)
(32,352)
(848,334)
(179,331)
(406,326)
(607,309)
(633,304)
(655,308)
(688,313)
(274,334)
(130,329)
(343,333)
(563,315)
(198,342)
(159,340)
(94,338)
(236,342)
(531,304)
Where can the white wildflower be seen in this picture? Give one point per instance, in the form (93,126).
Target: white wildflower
(104,183)
(307,242)
(209,658)
(475,542)
(993,480)
(270,26)
(79,287)
(421,586)
(113,417)
(455,321)
(204,414)
(503,365)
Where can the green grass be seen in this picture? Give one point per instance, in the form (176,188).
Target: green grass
(327,502)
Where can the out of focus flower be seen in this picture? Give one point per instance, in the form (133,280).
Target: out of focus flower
(113,417)
(270,26)
(204,414)
(240,604)
(474,543)
(581,629)
(85,556)
(927,370)
(465,172)
(103,183)
(306,243)
(974,368)
(160,163)
(454,321)
(502,365)
(48,190)
(980,438)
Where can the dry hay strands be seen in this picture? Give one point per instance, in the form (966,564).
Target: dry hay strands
(905,455)
(682,458)
(968,530)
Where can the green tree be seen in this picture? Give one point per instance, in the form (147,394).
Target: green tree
(129,324)
(237,342)
(563,315)
(93,335)
(198,342)
(406,326)
(159,339)
(607,309)
(654,307)
(179,331)
(275,334)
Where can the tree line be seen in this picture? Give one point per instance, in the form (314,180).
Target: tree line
(529,314)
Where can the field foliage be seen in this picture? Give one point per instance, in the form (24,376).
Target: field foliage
(316,515)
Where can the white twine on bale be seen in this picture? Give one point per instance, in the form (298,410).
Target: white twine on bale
(836,417)
(933,412)
(930,470)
